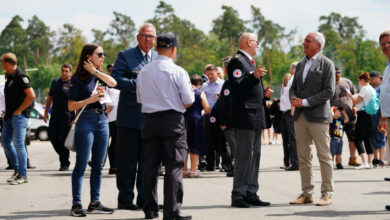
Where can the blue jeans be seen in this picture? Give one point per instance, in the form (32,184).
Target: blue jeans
(14,130)
(336,146)
(91,134)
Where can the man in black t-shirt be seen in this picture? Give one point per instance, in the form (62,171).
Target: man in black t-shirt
(19,97)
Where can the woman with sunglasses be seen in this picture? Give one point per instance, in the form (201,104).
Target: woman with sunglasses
(91,134)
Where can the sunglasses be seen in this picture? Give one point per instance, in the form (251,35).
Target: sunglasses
(101,55)
(338,72)
(147,36)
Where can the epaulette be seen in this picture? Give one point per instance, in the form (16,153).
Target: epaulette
(237,56)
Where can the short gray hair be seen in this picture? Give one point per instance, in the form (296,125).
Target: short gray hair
(294,65)
(384,34)
(147,25)
(320,38)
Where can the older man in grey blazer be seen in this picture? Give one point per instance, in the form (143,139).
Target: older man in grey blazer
(310,93)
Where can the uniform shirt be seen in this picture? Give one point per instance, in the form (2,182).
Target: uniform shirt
(162,85)
(114,96)
(211,90)
(80,90)
(14,93)
(59,92)
(305,71)
(385,94)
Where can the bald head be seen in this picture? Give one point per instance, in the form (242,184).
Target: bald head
(248,42)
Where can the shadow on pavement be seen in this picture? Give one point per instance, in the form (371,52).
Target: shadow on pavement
(37,214)
(377,193)
(331,213)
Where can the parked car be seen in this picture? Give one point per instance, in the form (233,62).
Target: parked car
(39,129)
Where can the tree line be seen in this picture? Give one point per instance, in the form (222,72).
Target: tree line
(40,47)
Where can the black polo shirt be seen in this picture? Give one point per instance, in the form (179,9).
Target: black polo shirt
(59,92)
(14,93)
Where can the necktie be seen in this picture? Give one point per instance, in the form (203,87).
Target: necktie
(147,60)
(253,61)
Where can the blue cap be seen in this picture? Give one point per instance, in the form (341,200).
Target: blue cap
(166,40)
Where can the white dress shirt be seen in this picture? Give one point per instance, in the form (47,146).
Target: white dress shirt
(162,85)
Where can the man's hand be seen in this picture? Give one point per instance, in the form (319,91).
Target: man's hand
(17,112)
(382,125)
(268,91)
(259,72)
(45,117)
(296,102)
(222,127)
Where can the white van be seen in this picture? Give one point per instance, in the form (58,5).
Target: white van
(39,129)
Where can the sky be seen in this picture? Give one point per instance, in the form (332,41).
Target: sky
(302,15)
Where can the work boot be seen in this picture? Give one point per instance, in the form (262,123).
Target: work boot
(353,161)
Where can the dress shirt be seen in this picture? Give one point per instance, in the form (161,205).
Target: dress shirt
(285,103)
(149,55)
(305,71)
(247,54)
(385,92)
(162,85)
(211,90)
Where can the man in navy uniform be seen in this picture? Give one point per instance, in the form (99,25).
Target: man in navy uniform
(129,117)
(164,90)
(61,117)
(248,118)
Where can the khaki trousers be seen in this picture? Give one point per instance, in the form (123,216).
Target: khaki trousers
(306,133)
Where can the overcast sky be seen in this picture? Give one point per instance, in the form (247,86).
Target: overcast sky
(303,15)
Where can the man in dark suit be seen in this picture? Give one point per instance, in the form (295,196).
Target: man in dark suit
(129,117)
(248,118)
(310,93)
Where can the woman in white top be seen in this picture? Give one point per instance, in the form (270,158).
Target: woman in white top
(364,120)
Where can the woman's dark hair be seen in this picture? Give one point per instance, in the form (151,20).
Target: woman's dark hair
(364,76)
(196,80)
(82,73)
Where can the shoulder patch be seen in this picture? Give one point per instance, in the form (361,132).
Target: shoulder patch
(213,119)
(237,73)
(226,92)
(25,80)
(237,56)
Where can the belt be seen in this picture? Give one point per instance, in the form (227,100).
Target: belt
(286,111)
(95,110)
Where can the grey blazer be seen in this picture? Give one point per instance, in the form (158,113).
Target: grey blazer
(318,88)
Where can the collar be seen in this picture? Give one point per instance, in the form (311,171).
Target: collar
(314,57)
(246,54)
(143,53)
(218,81)
(163,57)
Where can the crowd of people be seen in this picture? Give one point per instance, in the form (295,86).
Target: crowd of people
(157,116)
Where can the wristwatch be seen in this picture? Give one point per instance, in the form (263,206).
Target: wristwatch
(97,72)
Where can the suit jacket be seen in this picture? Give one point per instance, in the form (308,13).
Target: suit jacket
(318,88)
(248,101)
(225,104)
(126,68)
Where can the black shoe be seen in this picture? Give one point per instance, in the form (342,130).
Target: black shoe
(160,206)
(77,211)
(64,168)
(339,166)
(9,167)
(230,173)
(240,203)
(112,171)
(257,202)
(375,162)
(387,178)
(151,214)
(292,168)
(128,206)
(387,207)
(284,167)
(98,208)
(29,166)
(381,163)
(178,217)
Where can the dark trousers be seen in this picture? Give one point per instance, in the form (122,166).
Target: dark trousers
(363,133)
(112,148)
(289,141)
(129,165)
(58,130)
(164,137)
(231,141)
(246,164)
(210,143)
(223,151)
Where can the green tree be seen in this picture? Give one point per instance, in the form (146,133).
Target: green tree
(69,45)
(229,27)
(123,28)
(42,78)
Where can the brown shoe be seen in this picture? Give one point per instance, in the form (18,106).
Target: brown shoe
(302,199)
(324,201)
(353,161)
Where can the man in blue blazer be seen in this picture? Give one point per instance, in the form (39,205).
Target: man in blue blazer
(129,117)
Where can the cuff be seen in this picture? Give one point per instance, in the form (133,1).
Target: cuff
(305,103)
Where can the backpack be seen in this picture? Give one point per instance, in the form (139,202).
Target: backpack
(373,105)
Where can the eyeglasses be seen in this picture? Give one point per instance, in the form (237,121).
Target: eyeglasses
(385,43)
(257,42)
(101,55)
(147,36)
(338,72)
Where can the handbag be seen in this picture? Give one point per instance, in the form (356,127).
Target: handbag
(69,141)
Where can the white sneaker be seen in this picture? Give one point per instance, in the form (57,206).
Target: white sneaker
(273,142)
(363,166)
(370,166)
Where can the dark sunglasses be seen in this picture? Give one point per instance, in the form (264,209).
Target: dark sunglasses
(338,72)
(101,55)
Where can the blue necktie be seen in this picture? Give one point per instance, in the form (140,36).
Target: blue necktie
(147,59)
